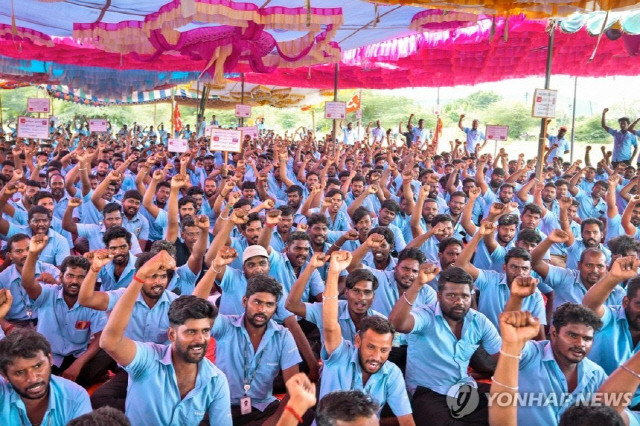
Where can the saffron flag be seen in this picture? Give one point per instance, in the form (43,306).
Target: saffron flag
(354,103)
(177,119)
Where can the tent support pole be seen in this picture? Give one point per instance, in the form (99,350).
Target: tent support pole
(544,121)
(242,99)
(335,98)
(573,116)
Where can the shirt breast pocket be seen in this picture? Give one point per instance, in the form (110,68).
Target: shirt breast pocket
(465,350)
(80,336)
(162,337)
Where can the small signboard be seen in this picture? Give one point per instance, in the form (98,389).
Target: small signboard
(226,140)
(335,110)
(178,145)
(249,131)
(243,111)
(97,125)
(544,103)
(437,109)
(497,133)
(39,105)
(32,127)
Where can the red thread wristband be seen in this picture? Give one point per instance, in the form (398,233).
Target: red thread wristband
(292,411)
(135,277)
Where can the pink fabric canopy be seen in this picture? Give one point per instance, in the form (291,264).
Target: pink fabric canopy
(464,57)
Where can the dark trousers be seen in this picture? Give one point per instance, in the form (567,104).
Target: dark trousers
(430,408)
(113,393)
(398,356)
(92,372)
(255,417)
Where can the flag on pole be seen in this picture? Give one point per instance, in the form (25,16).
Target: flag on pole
(177,119)
(354,103)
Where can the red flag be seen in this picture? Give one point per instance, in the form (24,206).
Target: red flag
(177,119)
(354,102)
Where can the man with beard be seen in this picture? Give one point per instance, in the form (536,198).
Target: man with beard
(623,140)
(495,287)
(192,387)
(441,229)
(283,228)
(321,238)
(617,340)
(287,266)
(294,200)
(332,209)
(133,221)
(424,210)
(630,221)
(591,232)
(443,337)
(381,258)
(60,197)
(23,312)
(558,145)
(497,179)
(102,169)
(360,364)
(112,217)
(558,367)
(155,199)
(39,223)
(570,285)
(359,195)
(359,294)
(251,349)
(592,205)
(29,394)
(70,327)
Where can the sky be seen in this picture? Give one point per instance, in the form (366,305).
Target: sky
(593,94)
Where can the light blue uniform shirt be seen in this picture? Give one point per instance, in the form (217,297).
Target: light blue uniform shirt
(586,209)
(239,244)
(281,269)
(60,206)
(370,262)
(612,344)
(494,294)
(236,357)
(183,280)
(563,145)
(474,137)
(388,293)
(436,359)
(622,144)
(67,401)
(146,324)
(347,327)
(64,327)
(234,287)
(567,287)
(342,372)
(575,251)
(138,226)
(152,371)
(108,279)
(11,279)
(483,259)
(56,250)
(94,234)
(541,377)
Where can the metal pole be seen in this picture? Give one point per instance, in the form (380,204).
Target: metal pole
(335,98)
(242,98)
(573,117)
(438,97)
(547,81)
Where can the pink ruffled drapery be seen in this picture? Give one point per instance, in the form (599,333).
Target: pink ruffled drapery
(442,20)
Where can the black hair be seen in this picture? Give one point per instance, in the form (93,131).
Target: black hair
(133,194)
(333,192)
(632,287)
(252,217)
(456,275)
(590,415)
(116,232)
(345,406)
(103,416)
(294,188)
(297,236)
(574,313)
(195,190)
(591,221)
(110,208)
(391,205)
(317,218)
(459,194)
(623,244)
(186,200)
(413,253)
(517,253)
(447,242)
(74,262)
(360,213)
(241,203)
(263,283)
(163,184)
(22,343)
(40,195)
(387,233)
(358,178)
(14,239)
(591,251)
(248,185)
(532,209)
(143,258)
(378,324)
(441,218)
(190,307)
(38,210)
(358,275)
(286,210)
(165,245)
(508,219)
(529,236)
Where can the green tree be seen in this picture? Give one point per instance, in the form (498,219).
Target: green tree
(516,115)
(590,131)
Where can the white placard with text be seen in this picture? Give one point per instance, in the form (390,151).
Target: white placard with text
(225,140)
(497,133)
(178,145)
(544,103)
(39,105)
(335,110)
(243,111)
(32,127)
(97,124)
